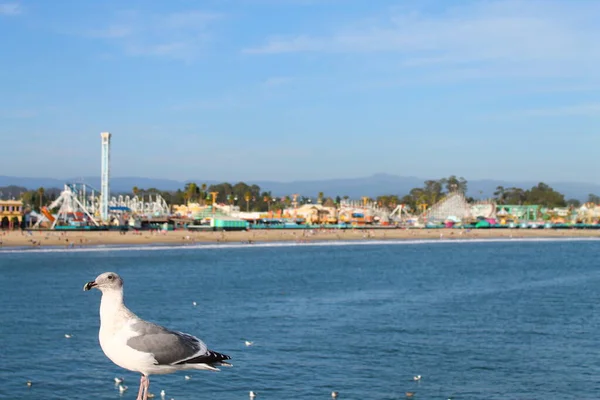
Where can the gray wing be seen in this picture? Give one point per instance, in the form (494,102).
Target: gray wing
(167,347)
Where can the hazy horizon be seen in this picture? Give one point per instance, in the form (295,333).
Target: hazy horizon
(235,180)
(382,184)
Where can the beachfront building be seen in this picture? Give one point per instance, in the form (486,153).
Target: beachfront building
(316,214)
(187,210)
(558,215)
(363,212)
(198,211)
(11,213)
(518,212)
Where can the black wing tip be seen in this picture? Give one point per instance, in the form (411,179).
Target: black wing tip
(211,357)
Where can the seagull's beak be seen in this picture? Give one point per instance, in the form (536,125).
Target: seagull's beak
(89,285)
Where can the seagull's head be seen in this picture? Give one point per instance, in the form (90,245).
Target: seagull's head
(105,281)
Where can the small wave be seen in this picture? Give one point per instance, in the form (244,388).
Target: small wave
(322,243)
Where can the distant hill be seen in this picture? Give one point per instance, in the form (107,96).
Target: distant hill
(12,191)
(374,185)
(117,184)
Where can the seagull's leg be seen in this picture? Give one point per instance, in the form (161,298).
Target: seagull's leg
(141,391)
(146,387)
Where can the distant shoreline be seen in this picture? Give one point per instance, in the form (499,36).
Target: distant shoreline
(58,239)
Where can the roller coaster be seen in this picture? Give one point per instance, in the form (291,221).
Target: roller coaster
(79,204)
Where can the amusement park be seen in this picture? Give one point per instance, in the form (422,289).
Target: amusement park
(82,207)
(79,206)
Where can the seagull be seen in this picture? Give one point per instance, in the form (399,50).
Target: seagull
(334,394)
(417,378)
(144,347)
(119,380)
(122,388)
(248,343)
(67,336)
(252,394)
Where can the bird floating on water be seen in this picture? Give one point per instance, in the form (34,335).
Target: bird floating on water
(194,303)
(118,380)
(162,393)
(252,394)
(68,336)
(144,347)
(417,378)
(122,388)
(248,343)
(187,377)
(334,394)
(29,383)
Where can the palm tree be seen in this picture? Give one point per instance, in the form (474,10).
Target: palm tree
(247,197)
(203,189)
(267,199)
(320,197)
(191,190)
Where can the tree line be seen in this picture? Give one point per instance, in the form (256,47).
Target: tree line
(433,191)
(252,198)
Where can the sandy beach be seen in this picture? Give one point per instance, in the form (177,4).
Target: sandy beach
(80,239)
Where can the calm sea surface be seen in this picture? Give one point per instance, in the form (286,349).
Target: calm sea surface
(479,320)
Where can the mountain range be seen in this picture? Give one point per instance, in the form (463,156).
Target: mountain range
(374,185)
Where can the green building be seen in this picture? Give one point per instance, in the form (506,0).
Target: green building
(521,212)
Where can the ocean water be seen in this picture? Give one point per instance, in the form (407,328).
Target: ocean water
(503,319)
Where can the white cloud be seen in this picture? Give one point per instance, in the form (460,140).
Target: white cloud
(10,9)
(518,34)
(177,35)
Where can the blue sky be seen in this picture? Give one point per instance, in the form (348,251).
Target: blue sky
(301,89)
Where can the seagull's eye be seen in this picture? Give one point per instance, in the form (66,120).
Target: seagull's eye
(110,277)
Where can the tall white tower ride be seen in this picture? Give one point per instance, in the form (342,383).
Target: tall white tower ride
(105,176)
